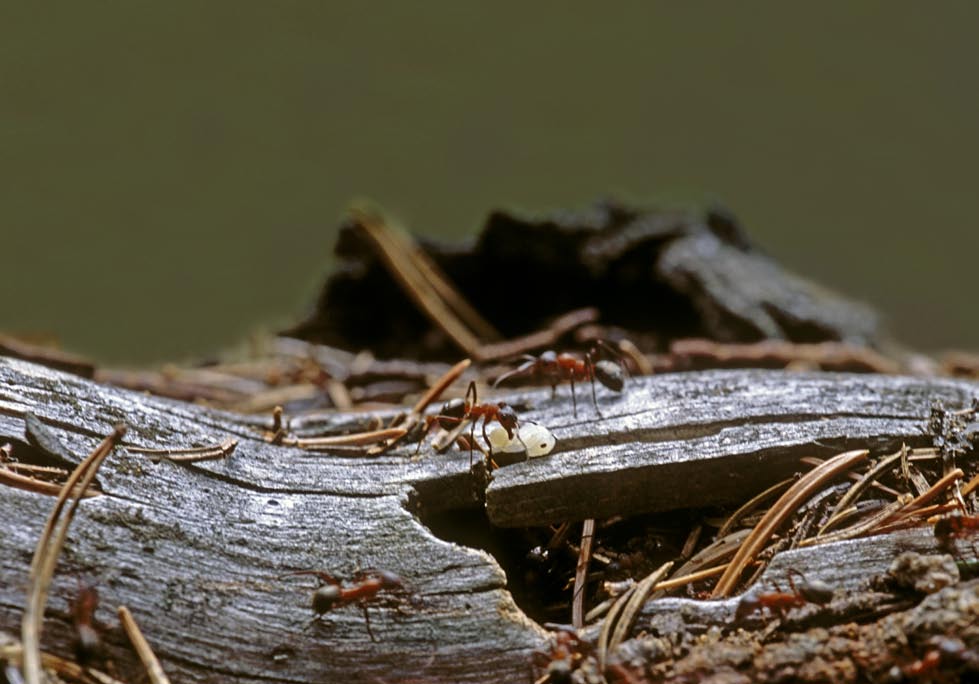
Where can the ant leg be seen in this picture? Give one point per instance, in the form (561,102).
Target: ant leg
(520,439)
(789,574)
(590,364)
(472,439)
(574,400)
(367,621)
(429,422)
(485,436)
(553,390)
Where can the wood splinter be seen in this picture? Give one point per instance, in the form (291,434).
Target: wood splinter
(191,454)
(142,646)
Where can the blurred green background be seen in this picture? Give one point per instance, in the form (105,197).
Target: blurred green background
(172,174)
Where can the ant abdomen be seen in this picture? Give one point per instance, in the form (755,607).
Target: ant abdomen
(452,412)
(610,375)
(817,592)
(325,598)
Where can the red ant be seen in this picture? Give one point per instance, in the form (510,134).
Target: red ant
(565,655)
(956,526)
(332,594)
(554,368)
(457,411)
(941,649)
(88,645)
(807,592)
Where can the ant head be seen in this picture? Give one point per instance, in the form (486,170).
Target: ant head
(325,598)
(610,374)
(548,357)
(507,417)
(454,409)
(943,528)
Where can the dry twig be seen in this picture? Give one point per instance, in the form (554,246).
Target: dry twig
(143,650)
(581,573)
(623,613)
(49,547)
(425,285)
(189,455)
(787,504)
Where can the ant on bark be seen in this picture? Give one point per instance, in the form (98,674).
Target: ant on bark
(817,592)
(942,650)
(88,646)
(955,526)
(456,411)
(555,368)
(332,594)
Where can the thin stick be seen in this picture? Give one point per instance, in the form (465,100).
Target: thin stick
(353,439)
(31,484)
(675,582)
(434,276)
(972,484)
(857,489)
(787,504)
(67,669)
(442,384)
(143,650)
(608,623)
(581,573)
(635,603)
(339,395)
(191,454)
(717,552)
(751,505)
(643,365)
(951,478)
(49,547)
(863,527)
(538,339)
(413,281)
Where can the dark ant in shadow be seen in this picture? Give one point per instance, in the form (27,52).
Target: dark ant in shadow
(365,586)
(953,526)
(554,368)
(88,645)
(817,592)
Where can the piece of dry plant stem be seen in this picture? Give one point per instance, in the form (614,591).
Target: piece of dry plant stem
(191,454)
(142,646)
(353,439)
(430,294)
(788,503)
(623,613)
(861,485)
(67,670)
(581,574)
(48,549)
(751,505)
(11,478)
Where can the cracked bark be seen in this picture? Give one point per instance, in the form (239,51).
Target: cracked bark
(194,550)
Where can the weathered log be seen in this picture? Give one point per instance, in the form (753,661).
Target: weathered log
(656,274)
(195,550)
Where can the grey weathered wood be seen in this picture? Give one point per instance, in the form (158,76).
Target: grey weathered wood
(853,567)
(698,439)
(194,550)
